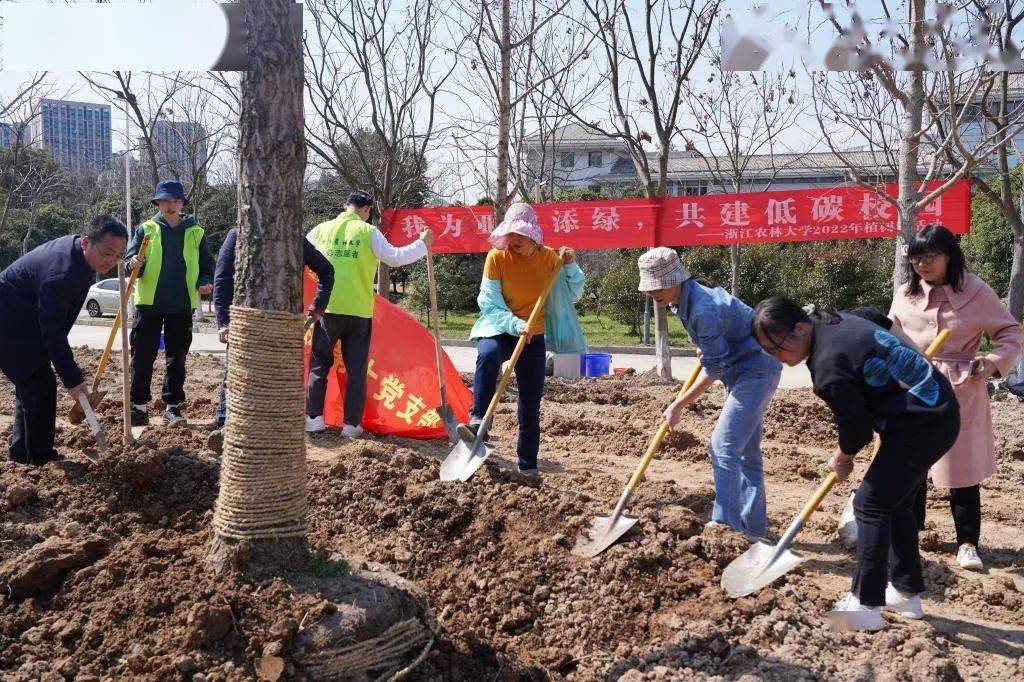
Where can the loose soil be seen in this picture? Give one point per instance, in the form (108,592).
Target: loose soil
(106,579)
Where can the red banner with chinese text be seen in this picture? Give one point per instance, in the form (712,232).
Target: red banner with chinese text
(402,394)
(605,224)
(847,212)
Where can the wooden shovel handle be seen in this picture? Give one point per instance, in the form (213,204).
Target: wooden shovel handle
(117,319)
(432,286)
(660,435)
(831,479)
(521,344)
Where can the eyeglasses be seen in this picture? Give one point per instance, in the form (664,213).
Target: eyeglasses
(923,259)
(777,347)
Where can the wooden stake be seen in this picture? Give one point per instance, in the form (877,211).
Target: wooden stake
(125,390)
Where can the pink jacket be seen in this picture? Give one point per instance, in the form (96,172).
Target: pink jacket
(967,313)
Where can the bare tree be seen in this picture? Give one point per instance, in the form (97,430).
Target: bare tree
(16,115)
(734,126)
(147,98)
(996,110)
(42,181)
(198,133)
(517,48)
(908,115)
(649,50)
(374,71)
(542,118)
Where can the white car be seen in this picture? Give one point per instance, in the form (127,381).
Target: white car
(102,298)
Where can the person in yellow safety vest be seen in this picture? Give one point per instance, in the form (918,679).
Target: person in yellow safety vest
(177,269)
(354,247)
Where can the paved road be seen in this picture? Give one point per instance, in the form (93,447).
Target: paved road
(463,358)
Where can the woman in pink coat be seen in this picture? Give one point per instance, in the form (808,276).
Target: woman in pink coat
(942,294)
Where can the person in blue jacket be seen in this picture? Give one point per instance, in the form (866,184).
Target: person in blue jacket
(719,325)
(41,295)
(224,294)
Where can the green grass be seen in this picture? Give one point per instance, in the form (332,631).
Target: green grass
(598,330)
(322,566)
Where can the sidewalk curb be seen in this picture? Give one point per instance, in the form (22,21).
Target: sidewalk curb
(208,328)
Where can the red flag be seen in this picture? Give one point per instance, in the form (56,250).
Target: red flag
(402,394)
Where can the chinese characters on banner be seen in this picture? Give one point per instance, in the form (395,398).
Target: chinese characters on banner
(848,212)
(612,224)
(402,395)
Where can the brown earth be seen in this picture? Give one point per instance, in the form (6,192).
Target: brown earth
(106,579)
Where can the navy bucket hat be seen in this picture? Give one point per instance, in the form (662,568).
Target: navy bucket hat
(169,189)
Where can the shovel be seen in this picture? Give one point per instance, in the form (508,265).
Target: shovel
(762,564)
(96,395)
(605,530)
(468,456)
(94,424)
(444,410)
(847,522)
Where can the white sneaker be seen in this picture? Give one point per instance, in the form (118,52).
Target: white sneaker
(315,424)
(968,558)
(352,431)
(849,614)
(906,605)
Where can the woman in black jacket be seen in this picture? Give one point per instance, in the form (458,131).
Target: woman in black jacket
(871,382)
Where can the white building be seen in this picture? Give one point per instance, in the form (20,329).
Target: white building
(574,157)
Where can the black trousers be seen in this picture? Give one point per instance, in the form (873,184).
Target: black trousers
(965,503)
(145,344)
(884,508)
(35,415)
(354,335)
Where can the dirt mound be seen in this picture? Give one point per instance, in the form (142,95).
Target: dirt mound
(492,557)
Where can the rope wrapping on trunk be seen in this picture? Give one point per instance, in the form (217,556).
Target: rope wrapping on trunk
(263,470)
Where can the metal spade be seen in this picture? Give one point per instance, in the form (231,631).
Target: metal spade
(605,530)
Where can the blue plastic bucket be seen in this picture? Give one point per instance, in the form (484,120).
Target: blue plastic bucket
(596,364)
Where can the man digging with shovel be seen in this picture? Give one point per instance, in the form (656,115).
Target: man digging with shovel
(41,295)
(871,382)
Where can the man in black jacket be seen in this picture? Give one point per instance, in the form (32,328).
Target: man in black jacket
(224,294)
(41,295)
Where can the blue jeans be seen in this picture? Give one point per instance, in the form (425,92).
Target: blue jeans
(490,354)
(735,452)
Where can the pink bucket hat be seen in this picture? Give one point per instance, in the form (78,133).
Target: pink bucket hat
(519,219)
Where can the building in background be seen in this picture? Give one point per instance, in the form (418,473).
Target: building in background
(180,148)
(573,157)
(8,134)
(76,134)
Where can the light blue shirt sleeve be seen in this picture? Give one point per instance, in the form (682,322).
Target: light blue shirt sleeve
(495,315)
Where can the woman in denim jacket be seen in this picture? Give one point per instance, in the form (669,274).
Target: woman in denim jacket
(719,325)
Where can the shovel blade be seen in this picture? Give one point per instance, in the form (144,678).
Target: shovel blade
(77,416)
(450,424)
(602,534)
(754,569)
(848,525)
(464,459)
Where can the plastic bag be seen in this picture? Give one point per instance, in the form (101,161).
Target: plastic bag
(562,330)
